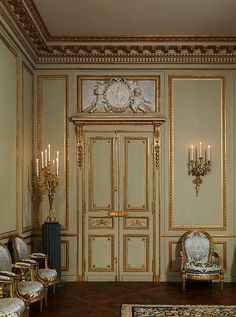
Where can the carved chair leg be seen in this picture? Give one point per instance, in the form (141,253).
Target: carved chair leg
(46,298)
(41,305)
(221,283)
(184,284)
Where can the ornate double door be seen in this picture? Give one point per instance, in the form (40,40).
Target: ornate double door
(118,212)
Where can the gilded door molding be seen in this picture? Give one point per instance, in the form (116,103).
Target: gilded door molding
(95,225)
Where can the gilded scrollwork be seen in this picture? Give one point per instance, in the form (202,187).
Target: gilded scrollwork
(100,223)
(136,223)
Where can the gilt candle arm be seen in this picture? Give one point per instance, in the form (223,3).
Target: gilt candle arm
(198,167)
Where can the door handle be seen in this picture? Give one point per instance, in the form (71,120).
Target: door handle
(117,213)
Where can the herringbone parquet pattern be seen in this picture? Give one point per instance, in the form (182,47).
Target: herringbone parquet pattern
(97,299)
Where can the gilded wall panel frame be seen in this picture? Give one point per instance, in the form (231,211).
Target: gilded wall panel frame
(40,105)
(30,182)
(172,226)
(171,266)
(17,123)
(65,253)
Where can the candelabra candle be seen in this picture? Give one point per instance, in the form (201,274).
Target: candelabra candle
(48,180)
(199,167)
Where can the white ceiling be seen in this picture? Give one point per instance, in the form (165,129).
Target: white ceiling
(138,17)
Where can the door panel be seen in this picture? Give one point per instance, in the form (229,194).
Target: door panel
(101,174)
(98,243)
(136,261)
(136,174)
(118,219)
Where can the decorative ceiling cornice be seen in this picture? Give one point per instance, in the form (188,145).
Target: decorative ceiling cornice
(138,49)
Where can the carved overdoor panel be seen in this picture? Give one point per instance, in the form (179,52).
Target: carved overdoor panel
(118,193)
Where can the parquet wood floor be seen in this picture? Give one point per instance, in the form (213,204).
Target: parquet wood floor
(104,299)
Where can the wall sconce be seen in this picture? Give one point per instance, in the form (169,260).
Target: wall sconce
(199,164)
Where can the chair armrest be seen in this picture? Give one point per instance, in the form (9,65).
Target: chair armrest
(6,279)
(40,256)
(8,274)
(22,265)
(218,258)
(30,261)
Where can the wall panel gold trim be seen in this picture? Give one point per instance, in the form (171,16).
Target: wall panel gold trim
(32,185)
(40,80)
(172,226)
(171,266)
(65,260)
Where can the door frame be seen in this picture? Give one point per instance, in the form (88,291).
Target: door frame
(81,120)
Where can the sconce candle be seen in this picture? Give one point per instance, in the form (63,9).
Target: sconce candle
(200,149)
(191,153)
(208,152)
(47,180)
(199,167)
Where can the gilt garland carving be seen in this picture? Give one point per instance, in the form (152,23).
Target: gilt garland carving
(150,49)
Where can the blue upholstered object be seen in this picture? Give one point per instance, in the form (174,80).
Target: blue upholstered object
(198,260)
(12,306)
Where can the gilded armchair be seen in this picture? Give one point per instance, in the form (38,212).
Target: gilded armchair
(198,260)
(21,252)
(27,285)
(12,304)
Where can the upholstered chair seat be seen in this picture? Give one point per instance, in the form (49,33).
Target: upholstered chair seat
(198,260)
(13,306)
(22,253)
(49,274)
(202,268)
(33,288)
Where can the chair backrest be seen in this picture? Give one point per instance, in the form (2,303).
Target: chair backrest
(197,246)
(5,259)
(20,248)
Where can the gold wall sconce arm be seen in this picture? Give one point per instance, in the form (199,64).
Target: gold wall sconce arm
(199,164)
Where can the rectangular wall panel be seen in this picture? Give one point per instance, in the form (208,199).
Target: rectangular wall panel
(28,147)
(193,101)
(9,155)
(53,130)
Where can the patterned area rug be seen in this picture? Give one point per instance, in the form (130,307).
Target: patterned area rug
(177,310)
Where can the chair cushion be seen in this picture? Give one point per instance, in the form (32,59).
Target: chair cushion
(10,306)
(33,288)
(49,274)
(199,267)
